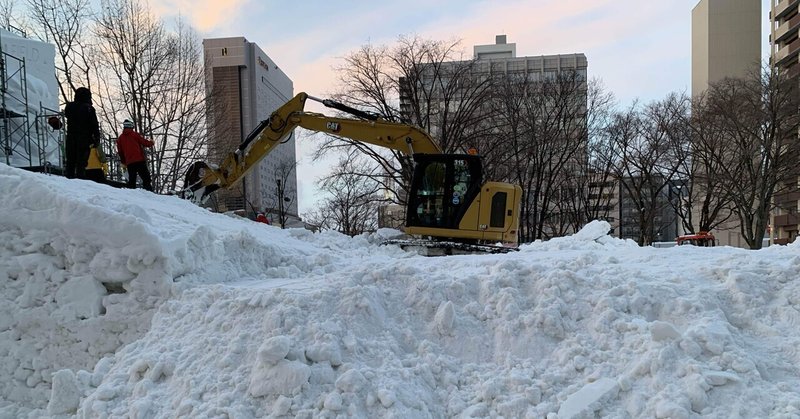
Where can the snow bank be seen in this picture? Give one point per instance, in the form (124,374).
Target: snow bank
(83,267)
(242,319)
(592,236)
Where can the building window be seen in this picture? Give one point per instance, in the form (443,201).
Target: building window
(224,51)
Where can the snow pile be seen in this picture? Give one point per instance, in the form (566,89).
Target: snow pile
(83,267)
(592,236)
(228,317)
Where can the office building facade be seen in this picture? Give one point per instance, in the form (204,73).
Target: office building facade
(785,54)
(245,86)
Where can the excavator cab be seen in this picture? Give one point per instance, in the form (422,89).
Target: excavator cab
(442,187)
(448,198)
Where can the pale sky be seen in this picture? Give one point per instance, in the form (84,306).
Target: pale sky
(640,49)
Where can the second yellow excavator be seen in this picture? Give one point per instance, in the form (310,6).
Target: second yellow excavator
(449,207)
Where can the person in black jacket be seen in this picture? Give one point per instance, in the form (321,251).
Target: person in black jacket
(83,131)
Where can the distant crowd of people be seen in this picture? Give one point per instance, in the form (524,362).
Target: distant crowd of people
(84,156)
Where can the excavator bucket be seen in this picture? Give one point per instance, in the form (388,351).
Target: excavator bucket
(194,190)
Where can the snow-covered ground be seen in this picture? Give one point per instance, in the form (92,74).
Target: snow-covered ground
(121,303)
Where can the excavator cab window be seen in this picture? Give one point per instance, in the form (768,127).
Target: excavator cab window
(442,188)
(498,215)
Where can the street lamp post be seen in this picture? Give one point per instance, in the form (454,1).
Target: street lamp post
(679,211)
(280,204)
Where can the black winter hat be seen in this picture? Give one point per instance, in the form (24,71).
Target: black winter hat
(83,95)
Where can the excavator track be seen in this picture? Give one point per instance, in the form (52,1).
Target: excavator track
(445,248)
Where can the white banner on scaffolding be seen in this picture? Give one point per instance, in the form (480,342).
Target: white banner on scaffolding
(29,97)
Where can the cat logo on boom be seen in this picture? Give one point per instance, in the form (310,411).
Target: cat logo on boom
(333,126)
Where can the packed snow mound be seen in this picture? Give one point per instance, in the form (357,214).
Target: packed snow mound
(157,308)
(592,236)
(83,267)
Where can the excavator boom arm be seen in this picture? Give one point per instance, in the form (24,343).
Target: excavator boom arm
(280,125)
(447,198)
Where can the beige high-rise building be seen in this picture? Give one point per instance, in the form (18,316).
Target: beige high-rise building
(726,42)
(246,86)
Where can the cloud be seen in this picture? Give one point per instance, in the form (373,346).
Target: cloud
(626,52)
(204,15)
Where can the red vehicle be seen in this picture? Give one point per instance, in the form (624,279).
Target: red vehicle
(703,238)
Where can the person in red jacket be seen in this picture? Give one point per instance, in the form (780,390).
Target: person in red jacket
(130,146)
(261,218)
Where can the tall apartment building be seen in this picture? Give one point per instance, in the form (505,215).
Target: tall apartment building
(245,87)
(501,58)
(784,30)
(785,54)
(726,42)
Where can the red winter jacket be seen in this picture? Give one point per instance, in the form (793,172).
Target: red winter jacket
(129,146)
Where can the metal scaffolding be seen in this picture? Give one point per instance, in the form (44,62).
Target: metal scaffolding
(14,130)
(24,128)
(45,134)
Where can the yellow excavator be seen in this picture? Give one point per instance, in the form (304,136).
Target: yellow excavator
(449,208)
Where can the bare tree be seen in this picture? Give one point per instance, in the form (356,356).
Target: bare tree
(421,82)
(154,77)
(179,115)
(759,122)
(136,69)
(545,138)
(703,194)
(352,205)
(439,90)
(284,193)
(644,141)
(66,24)
(11,17)
(136,53)
(593,187)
